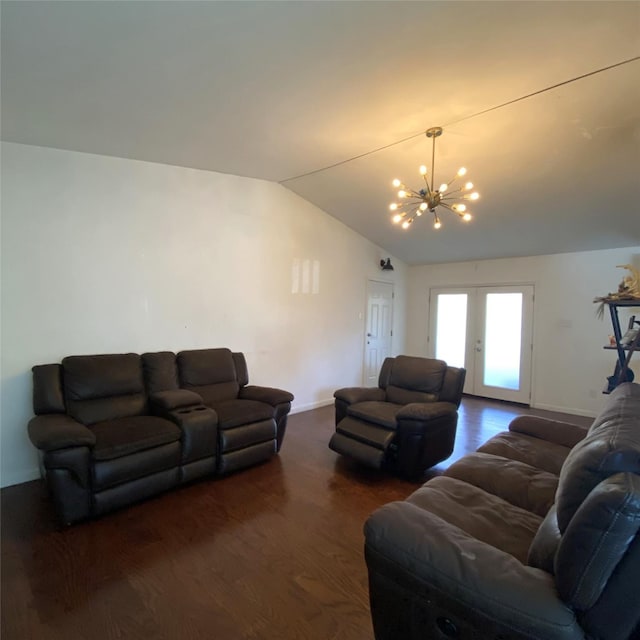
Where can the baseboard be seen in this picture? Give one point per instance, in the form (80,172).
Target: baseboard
(9,479)
(299,408)
(570,411)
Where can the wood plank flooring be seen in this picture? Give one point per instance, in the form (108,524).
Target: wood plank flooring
(272,552)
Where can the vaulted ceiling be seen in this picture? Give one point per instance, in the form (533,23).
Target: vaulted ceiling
(318,96)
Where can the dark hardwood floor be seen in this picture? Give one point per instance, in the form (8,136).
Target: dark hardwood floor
(272,552)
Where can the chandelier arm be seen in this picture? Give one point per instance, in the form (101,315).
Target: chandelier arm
(429,192)
(450,194)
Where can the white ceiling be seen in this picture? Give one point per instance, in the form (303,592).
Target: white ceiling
(275,90)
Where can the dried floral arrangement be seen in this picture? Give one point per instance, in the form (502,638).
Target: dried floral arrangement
(628,289)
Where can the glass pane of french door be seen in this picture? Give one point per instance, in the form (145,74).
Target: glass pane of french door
(451,328)
(502,340)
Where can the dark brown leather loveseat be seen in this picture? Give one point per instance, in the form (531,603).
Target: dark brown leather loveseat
(116,428)
(536,536)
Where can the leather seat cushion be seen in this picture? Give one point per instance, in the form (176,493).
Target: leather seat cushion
(480,514)
(538,453)
(235,413)
(382,413)
(124,436)
(516,482)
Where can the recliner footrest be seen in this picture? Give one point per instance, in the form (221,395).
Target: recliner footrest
(368,434)
(361,452)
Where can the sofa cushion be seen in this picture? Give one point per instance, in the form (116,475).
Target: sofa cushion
(48,396)
(160,371)
(201,367)
(611,446)
(597,539)
(407,396)
(122,437)
(542,552)
(535,452)
(480,514)
(516,482)
(418,374)
(103,387)
(382,413)
(234,413)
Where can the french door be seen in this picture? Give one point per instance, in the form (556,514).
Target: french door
(489,331)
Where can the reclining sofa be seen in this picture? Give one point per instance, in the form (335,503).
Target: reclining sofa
(407,423)
(535,536)
(116,428)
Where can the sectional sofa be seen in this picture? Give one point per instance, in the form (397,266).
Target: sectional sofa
(534,537)
(116,428)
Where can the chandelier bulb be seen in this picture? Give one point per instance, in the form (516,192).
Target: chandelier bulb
(459,207)
(402,193)
(468,186)
(474,196)
(437,224)
(396,182)
(424,206)
(461,171)
(466,217)
(393,206)
(443,187)
(405,224)
(396,218)
(423,170)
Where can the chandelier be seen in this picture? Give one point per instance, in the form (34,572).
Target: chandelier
(413,204)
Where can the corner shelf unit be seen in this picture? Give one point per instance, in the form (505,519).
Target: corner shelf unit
(622,372)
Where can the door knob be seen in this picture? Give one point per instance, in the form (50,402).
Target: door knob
(368,335)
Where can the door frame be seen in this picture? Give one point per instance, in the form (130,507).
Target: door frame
(366,321)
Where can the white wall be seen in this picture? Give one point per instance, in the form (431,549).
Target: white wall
(569,367)
(105,255)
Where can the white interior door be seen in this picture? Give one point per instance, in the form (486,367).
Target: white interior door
(378,332)
(489,331)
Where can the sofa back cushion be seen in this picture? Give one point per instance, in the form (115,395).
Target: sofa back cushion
(48,396)
(211,373)
(415,379)
(103,387)
(160,371)
(612,445)
(600,543)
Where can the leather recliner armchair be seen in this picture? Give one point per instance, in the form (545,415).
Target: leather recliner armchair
(406,424)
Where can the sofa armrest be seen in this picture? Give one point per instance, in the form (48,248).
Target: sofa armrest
(448,577)
(566,434)
(425,411)
(353,395)
(54,431)
(165,401)
(268,395)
